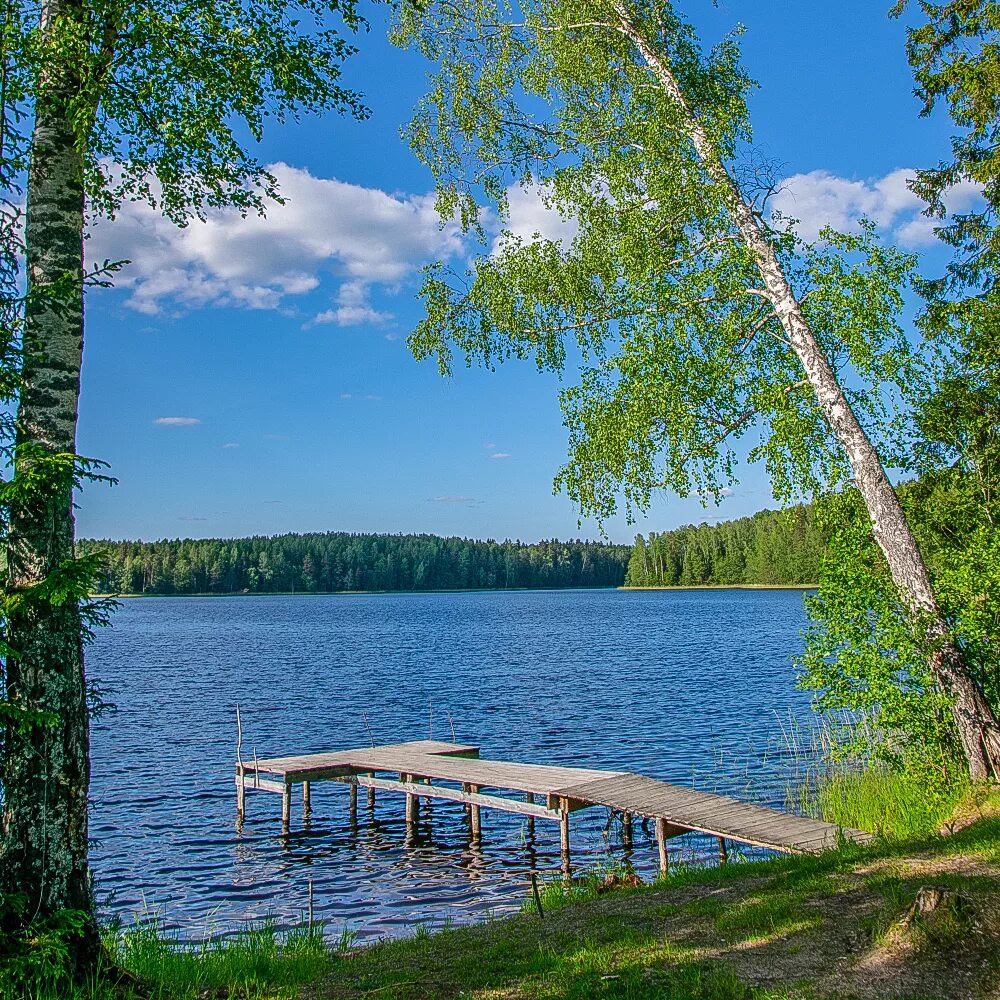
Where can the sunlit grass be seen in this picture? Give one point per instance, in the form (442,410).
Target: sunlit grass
(894,806)
(258,961)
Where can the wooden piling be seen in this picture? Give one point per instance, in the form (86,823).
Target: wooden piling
(286,807)
(627,831)
(475,818)
(564,837)
(354,804)
(241,797)
(241,786)
(661,841)
(723,851)
(306,800)
(411,805)
(530,798)
(371,795)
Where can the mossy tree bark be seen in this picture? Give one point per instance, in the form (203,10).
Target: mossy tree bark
(46,767)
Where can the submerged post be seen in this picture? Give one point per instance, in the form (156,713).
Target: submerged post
(661,840)
(627,831)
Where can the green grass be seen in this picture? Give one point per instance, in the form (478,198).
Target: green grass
(890,805)
(678,937)
(256,962)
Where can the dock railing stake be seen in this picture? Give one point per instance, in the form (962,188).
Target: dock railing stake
(241,788)
(537,895)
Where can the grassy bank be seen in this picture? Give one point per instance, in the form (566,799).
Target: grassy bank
(792,927)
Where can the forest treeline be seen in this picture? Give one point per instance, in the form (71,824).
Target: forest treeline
(769,548)
(336,561)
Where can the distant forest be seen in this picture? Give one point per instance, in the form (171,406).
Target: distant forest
(768,548)
(336,561)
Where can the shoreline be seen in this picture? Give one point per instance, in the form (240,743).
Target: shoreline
(728,586)
(471,590)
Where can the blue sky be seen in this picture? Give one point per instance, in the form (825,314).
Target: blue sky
(252,377)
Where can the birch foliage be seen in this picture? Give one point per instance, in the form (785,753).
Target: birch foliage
(654,303)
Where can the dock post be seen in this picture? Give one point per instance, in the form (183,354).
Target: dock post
(354,805)
(661,840)
(530,797)
(564,837)
(306,801)
(371,795)
(411,806)
(286,807)
(476,818)
(241,787)
(627,831)
(723,851)
(241,797)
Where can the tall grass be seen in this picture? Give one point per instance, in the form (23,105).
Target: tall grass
(254,959)
(258,961)
(892,805)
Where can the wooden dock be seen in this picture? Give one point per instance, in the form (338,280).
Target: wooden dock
(429,769)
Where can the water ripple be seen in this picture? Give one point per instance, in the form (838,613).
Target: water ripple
(693,687)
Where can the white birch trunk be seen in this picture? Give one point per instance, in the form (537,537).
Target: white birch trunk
(977,726)
(46,769)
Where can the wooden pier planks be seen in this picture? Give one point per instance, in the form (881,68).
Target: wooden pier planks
(677,810)
(718,815)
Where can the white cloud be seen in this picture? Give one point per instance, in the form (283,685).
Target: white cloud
(176,421)
(364,236)
(532,218)
(353,308)
(819,198)
(726,492)
(231,444)
(500,454)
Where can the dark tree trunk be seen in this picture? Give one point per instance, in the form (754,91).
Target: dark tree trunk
(46,770)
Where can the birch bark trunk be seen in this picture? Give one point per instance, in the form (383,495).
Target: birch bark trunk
(977,725)
(46,770)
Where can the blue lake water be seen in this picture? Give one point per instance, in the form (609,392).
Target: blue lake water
(694,687)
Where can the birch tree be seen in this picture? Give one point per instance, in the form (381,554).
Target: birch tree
(110,100)
(694,319)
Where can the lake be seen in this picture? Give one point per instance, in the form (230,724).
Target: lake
(695,687)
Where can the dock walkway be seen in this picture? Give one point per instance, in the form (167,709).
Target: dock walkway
(548,792)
